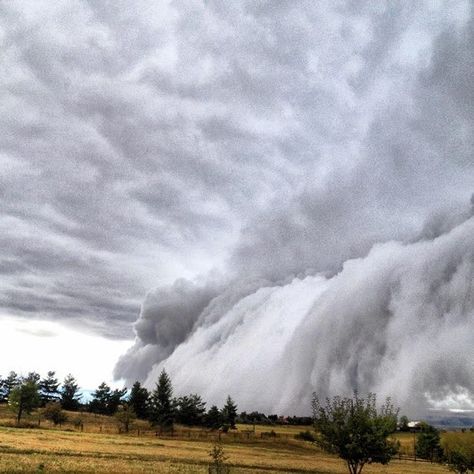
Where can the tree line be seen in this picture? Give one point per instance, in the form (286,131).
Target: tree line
(158,406)
(353,428)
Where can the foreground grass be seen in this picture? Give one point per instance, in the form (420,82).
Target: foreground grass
(100,449)
(46,450)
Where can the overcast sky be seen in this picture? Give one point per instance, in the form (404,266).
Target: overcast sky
(180,147)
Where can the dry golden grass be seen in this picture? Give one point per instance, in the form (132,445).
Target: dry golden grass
(54,450)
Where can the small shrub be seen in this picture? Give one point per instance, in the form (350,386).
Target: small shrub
(428,443)
(78,423)
(219,458)
(54,413)
(269,434)
(305,436)
(459,452)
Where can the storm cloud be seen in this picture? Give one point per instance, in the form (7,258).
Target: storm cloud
(235,156)
(398,322)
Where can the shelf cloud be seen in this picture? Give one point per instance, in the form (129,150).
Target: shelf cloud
(277,189)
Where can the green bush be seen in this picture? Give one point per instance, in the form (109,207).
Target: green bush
(459,451)
(305,436)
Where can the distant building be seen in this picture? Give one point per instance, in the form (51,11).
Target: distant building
(414,425)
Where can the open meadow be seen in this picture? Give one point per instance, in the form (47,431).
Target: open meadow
(100,448)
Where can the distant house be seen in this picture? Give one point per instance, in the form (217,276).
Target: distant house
(415,425)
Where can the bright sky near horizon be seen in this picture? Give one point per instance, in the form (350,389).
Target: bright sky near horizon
(41,346)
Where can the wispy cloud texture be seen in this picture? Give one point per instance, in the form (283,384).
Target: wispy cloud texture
(215,152)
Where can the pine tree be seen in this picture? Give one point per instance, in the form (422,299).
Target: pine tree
(162,409)
(33,377)
(213,418)
(229,412)
(100,399)
(139,400)
(9,384)
(190,410)
(115,400)
(106,401)
(2,390)
(49,388)
(70,397)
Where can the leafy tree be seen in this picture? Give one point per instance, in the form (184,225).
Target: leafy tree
(24,398)
(404,423)
(355,430)
(459,452)
(49,388)
(162,409)
(69,393)
(139,400)
(190,410)
(229,412)
(213,418)
(460,461)
(53,412)
(125,417)
(8,384)
(428,443)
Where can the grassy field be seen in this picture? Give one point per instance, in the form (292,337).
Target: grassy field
(47,449)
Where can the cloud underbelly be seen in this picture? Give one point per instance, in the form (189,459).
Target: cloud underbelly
(398,321)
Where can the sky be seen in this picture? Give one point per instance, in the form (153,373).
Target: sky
(201,187)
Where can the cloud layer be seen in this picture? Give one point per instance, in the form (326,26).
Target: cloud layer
(398,322)
(217,153)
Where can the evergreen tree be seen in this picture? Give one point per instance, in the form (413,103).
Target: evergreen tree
(213,418)
(49,388)
(229,412)
(69,393)
(190,410)
(33,377)
(106,401)
(9,384)
(139,400)
(2,391)
(100,399)
(162,409)
(115,400)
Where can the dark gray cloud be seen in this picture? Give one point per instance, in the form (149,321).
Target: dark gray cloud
(397,322)
(209,151)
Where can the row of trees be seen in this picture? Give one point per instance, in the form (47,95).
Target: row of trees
(24,394)
(158,406)
(48,389)
(188,410)
(163,410)
(353,428)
